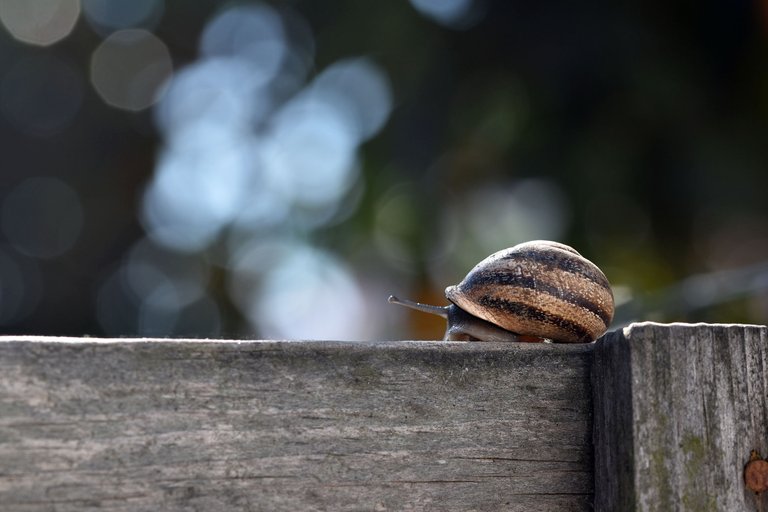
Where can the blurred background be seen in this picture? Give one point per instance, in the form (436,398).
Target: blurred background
(276,169)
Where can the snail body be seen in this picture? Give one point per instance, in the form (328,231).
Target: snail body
(538,289)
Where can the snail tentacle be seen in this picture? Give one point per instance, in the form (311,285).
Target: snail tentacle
(425,308)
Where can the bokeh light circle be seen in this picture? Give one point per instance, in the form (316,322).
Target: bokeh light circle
(40,95)
(11,289)
(253,33)
(359,90)
(108,15)
(39,22)
(157,292)
(290,290)
(199,188)
(310,156)
(217,91)
(456,14)
(21,286)
(496,216)
(42,217)
(129,68)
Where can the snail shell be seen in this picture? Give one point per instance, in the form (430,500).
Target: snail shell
(537,289)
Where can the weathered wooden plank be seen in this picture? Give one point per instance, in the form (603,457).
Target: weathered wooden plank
(201,425)
(678,408)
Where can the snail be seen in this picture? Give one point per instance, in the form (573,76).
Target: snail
(534,291)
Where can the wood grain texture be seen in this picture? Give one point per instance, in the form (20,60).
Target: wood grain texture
(678,408)
(122,425)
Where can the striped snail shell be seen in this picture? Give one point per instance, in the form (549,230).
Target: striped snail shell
(537,289)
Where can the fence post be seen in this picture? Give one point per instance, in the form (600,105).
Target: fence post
(679,408)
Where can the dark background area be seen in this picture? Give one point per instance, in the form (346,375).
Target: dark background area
(635,133)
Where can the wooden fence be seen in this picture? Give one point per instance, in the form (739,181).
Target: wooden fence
(651,417)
